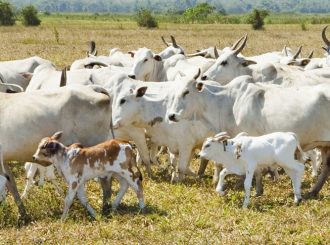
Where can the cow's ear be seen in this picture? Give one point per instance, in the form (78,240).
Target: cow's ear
(132,54)
(248,62)
(157,57)
(57,135)
(27,75)
(141,91)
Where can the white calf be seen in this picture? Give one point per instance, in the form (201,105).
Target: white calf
(79,165)
(247,155)
(45,173)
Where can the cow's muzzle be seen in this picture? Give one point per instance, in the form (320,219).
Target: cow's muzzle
(132,76)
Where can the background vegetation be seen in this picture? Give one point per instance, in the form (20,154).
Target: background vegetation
(126,6)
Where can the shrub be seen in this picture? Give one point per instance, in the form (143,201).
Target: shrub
(7,16)
(145,19)
(256,18)
(30,16)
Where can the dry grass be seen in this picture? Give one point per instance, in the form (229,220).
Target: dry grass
(187,213)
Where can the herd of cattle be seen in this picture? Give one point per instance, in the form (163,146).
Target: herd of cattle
(170,99)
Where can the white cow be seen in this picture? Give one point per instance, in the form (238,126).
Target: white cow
(229,66)
(19,72)
(152,67)
(144,105)
(82,112)
(258,109)
(245,155)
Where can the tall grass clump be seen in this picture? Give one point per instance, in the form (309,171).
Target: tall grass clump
(145,18)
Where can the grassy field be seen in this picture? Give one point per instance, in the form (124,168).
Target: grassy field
(187,213)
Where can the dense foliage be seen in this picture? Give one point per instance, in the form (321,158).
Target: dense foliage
(7,16)
(30,16)
(256,18)
(233,6)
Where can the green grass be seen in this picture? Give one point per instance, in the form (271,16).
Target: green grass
(187,213)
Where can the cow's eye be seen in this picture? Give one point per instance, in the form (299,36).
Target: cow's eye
(206,146)
(122,101)
(185,93)
(145,60)
(223,63)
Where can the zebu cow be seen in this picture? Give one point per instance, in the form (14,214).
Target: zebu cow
(259,109)
(144,105)
(229,66)
(82,112)
(172,49)
(152,67)
(19,72)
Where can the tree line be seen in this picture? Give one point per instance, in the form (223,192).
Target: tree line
(176,6)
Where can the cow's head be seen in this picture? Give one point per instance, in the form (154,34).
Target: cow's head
(229,65)
(48,148)
(126,106)
(214,146)
(144,64)
(171,49)
(185,101)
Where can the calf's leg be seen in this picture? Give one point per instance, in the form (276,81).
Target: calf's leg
(123,188)
(84,201)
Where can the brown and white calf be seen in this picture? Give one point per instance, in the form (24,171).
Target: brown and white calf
(78,165)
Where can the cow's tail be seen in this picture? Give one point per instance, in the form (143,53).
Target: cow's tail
(303,155)
(2,165)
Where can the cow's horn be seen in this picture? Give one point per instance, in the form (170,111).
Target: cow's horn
(166,43)
(311,54)
(236,43)
(216,54)
(92,48)
(198,74)
(63,78)
(285,50)
(173,41)
(241,46)
(297,53)
(324,37)
(197,54)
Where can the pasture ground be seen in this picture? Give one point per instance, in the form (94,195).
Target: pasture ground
(187,213)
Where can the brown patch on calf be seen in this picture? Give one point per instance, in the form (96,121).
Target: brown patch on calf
(155,120)
(130,165)
(74,185)
(105,152)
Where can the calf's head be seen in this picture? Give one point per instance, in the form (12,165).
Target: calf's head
(213,146)
(48,148)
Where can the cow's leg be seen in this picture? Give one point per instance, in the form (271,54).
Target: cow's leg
(106,184)
(30,173)
(57,186)
(84,201)
(325,172)
(202,167)
(123,188)
(248,183)
(12,187)
(144,153)
(259,186)
(296,173)
(137,187)
(221,182)
(216,174)
(42,174)
(73,187)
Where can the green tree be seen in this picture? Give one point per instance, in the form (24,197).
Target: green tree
(7,16)
(199,13)
(144,18)
(30,16)
(256,18)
